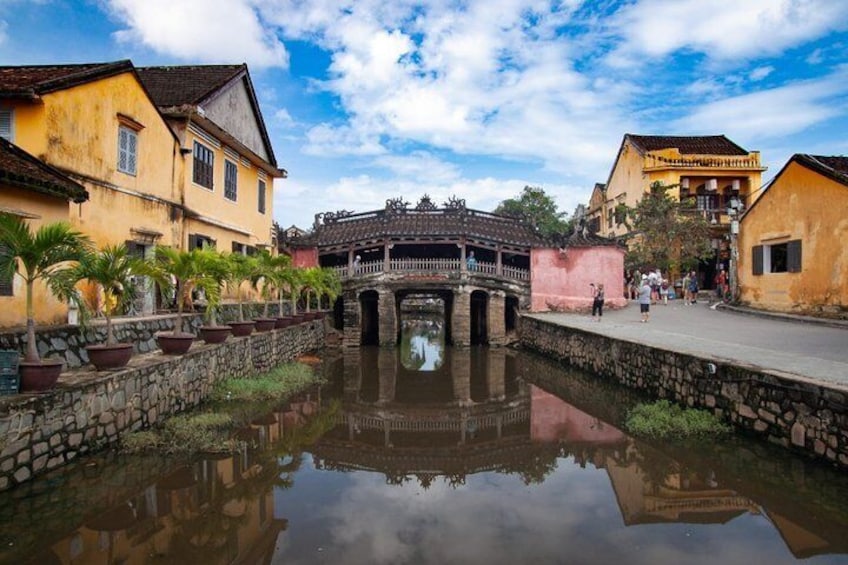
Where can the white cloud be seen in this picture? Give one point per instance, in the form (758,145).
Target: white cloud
(770,113)
(3,35)
(283,118)
(724,29)
(760,73)
(212,31)
(326,140)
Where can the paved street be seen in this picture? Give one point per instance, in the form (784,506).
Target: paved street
(790,347)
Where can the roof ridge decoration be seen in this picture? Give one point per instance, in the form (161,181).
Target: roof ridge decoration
(425,204)
(455,203)
(396,205)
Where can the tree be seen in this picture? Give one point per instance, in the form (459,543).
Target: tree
(667,234)
(46,255)
(538,209)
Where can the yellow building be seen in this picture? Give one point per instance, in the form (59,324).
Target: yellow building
(175,156)
(230,165)
(793,242)
(713,170)
(41,195)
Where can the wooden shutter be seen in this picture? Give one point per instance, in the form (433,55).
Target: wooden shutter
(793,256)
(6,283)
(6,124)
(757,259)
(193,241)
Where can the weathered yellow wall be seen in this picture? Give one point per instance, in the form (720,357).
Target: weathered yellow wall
(627,179)
(48,310)
(76,130)
(805,205)
(244,212)
(212,204)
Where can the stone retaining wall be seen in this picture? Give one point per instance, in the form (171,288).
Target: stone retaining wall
(789,411)
(68,342)
(88,410)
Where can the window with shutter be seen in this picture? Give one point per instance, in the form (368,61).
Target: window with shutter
(230,181)
(262,197)
(204,164)
(793,256)
(127,147)
(757,259)
(6,287)
(6,123)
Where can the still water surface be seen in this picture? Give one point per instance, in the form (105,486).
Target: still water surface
(432,455)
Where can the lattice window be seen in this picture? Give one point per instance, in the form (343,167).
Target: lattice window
(7,124)
(230,180)
(127,150)
(204,165)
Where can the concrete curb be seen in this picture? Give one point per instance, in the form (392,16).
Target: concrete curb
(842,324)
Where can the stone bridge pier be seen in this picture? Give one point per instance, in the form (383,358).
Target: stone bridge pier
(474,315)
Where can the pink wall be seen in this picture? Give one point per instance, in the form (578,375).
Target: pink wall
(560,282)
(305,257)
(552,419)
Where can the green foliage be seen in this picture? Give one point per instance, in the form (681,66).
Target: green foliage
(46,254)
(206,432)
(538,209)
(664,420)
(668,234)
(278,384)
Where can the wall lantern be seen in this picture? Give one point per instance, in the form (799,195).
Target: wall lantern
(734,227)
(712,184)
(736,185)
(684,183)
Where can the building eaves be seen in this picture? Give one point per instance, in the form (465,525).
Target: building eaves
(22,170)
(33,81)
(687,144)
(832,167)
(180,90)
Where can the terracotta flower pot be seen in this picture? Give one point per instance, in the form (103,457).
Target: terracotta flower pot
(265,324)
(283,322)
(39,375)
(109,356)
(298,318)
(174,344)
(215,334)
(242,328)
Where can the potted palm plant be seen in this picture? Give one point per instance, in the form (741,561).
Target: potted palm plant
(265,282)
(112,269)
(242,269)
(45,255)
(293,280)
(218,268)
(180,272)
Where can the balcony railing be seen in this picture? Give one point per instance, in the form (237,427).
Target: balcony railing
(432,266)
(729,162)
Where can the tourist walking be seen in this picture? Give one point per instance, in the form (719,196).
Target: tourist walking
(645,299)
(693,288)
(598,301)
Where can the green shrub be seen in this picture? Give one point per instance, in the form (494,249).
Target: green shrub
(278,384)
(664,420)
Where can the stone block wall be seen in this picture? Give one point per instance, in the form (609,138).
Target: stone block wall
(67,342)
(789,411)
(88,410)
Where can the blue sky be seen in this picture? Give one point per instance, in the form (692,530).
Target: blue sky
(367,100)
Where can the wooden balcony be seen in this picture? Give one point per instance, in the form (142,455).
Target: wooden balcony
(426,265)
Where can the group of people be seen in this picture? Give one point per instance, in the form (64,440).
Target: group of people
(661,289)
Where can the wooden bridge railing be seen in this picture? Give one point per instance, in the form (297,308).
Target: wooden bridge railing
(430,266)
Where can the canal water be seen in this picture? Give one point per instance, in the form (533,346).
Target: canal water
(426,454)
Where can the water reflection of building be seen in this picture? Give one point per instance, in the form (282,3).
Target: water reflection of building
(215,510)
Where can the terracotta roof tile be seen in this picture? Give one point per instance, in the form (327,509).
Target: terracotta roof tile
(409,224)
(186,85)
(688,145)
(40,79)
(20,169)
(835,167)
